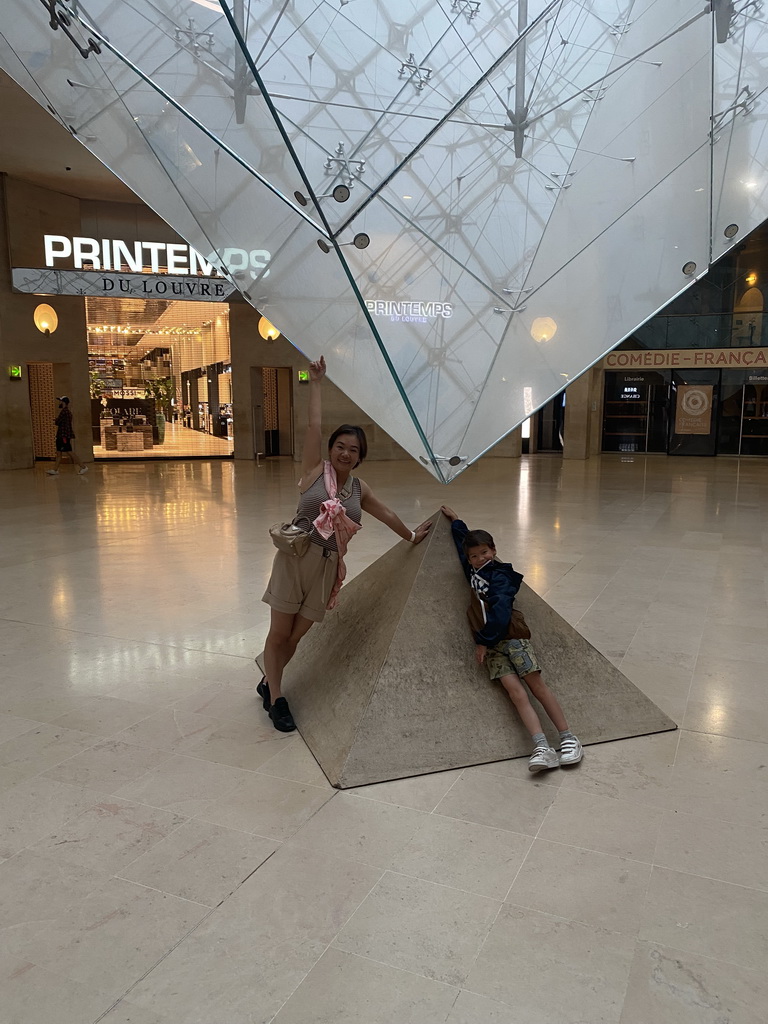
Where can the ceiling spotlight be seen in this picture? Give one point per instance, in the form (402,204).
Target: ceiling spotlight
(731,231)
(689,268)
(341,194)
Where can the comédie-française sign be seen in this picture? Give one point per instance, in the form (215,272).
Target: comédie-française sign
(687,358)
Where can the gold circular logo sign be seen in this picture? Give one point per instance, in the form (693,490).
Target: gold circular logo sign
(695,402)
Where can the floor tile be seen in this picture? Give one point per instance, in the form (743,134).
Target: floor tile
(295,762)
(168,729)
(266,806)
(682,988)
(186,785)
(109,835)
(104,716)
(107,765)
(622,827)
(346,989)
(720,777)
(464,855)
(254,951)
(424,792)
(113,936)
(368,830)
(470,1008)
(127,1013)
(200,862)
(708,917)
(12,726)
(411,924)
(638,769)
(716,849)
(581,885)
(549,970)
(33,807)
(32,995)
(241,744)
(498,802)
(746,723)
(43,747)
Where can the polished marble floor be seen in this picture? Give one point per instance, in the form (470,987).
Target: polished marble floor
(167,858)
(180,441)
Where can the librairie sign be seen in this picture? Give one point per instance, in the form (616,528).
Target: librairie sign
(140,270)
(687,358)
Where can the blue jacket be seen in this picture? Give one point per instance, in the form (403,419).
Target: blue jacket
(493,593)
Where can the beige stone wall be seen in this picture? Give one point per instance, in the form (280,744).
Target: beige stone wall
(21,342)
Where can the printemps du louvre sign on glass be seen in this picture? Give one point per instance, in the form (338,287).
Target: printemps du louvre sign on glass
(170,270)
(139,270)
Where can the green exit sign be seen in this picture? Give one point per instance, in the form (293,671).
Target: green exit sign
(304,376)
(14,371)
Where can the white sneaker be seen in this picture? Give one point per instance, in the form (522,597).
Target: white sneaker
(570,751)
(83,469)
(543,758)
(52,472)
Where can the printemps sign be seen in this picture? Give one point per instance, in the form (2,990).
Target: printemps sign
(141,270)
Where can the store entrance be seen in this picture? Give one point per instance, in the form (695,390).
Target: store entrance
(160,379)
(272,391)
(550,424)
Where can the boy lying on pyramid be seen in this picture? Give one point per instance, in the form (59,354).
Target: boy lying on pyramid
(503,642)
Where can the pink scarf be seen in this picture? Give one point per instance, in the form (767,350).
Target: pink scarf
(333,518)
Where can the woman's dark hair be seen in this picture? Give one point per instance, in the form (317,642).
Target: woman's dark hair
(358,432)
(476,539)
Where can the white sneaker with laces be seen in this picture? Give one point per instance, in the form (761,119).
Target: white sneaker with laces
(83,469)
(543,758)
(52,472)
(571,751)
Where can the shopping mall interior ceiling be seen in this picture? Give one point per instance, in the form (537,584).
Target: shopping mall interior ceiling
(466,202)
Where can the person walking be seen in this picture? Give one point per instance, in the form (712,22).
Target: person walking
(65,435)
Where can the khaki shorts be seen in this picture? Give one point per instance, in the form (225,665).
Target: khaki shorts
(512,657)
(302,586)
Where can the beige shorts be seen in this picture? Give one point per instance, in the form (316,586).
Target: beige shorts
(302,586)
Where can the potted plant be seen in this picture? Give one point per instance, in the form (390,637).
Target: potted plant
(162,390)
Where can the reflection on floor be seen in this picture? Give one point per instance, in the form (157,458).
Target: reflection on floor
(179,441)
(171,859)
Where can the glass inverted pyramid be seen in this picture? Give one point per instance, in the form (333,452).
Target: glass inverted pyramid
(525,183)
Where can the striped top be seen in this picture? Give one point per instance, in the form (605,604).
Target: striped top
(310,501)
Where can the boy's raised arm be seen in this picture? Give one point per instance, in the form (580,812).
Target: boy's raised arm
(459,531)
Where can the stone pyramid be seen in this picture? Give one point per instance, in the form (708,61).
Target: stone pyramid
(387,687)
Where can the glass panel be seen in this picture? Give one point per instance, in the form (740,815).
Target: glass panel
(529,186)
(729,428)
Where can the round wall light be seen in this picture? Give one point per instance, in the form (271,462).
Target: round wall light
(267,330)
(731,231)
(543,328)
(45,319)
(689,269)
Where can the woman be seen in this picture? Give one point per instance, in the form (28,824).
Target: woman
(301,588)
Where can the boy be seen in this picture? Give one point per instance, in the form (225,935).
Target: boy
(502,641)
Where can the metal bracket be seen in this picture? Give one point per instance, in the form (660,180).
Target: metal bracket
(419,73)
(468,7)
(340,165)
(60,19)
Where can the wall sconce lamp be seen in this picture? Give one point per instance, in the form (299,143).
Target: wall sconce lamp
(46,320)
(267,330)
(751,279)
(543,328)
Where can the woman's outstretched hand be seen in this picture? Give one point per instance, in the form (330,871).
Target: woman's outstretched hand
(317,369)
(422,531)
(449,513)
